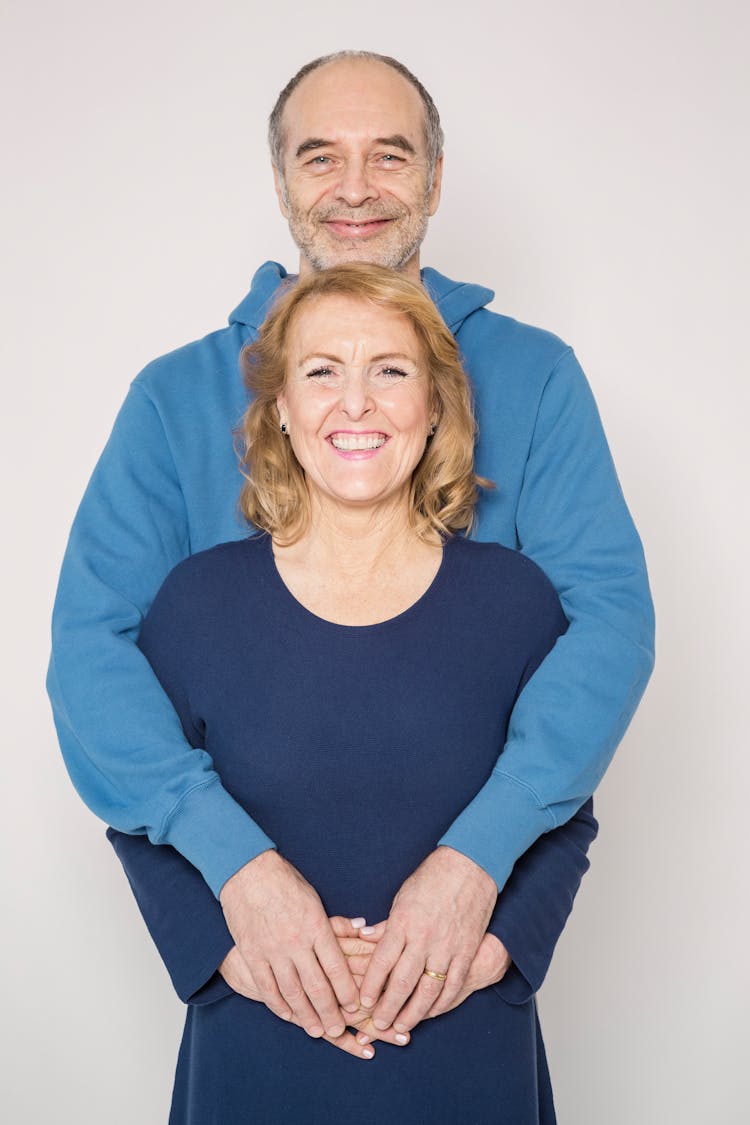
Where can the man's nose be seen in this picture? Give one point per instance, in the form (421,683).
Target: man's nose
(355,184)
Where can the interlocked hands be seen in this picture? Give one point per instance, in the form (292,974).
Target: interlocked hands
(312,970)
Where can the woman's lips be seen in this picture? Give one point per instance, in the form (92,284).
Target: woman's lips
(357,447)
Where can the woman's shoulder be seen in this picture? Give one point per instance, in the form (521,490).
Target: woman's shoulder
(215,572)
(493,561)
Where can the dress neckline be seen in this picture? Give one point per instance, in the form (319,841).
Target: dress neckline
(295,607)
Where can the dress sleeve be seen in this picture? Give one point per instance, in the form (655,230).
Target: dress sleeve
(536,902)
(184,919)
(122,741)
(573,522)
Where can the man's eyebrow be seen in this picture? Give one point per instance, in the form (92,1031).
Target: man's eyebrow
(398,140)
(311,144)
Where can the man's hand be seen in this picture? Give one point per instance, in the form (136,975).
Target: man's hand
(489,966)
(239,978)
(286,942)
(437,922)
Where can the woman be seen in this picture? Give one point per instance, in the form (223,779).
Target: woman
(390,651)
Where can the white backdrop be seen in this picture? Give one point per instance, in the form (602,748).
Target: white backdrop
(597,178)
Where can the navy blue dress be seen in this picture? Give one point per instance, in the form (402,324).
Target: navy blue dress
(354,747)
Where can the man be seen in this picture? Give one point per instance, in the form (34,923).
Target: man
(357,159)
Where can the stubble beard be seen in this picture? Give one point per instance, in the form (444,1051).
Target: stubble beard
(396,246)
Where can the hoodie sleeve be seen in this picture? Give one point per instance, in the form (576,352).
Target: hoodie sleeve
(123,742)
(572,520)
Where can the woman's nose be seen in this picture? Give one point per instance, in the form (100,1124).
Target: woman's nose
(356,396)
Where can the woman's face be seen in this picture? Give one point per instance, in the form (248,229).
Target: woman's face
(357,402)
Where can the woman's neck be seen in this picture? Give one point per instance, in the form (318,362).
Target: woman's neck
(358,566)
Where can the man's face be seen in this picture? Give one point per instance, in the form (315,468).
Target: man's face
(356,183)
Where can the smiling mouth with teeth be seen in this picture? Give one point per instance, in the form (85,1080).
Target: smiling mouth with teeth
(350,443)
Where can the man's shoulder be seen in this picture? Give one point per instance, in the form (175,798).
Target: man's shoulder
(216,353)
(485,335)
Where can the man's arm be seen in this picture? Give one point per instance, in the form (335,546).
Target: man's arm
(123,742)
(571,518)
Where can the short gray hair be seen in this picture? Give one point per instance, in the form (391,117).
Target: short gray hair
(433,130)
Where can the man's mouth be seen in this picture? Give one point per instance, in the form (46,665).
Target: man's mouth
(361,228)
(353,443)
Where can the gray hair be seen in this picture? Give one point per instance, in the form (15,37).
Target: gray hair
(432,127)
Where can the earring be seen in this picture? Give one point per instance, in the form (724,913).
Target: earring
(433,427)
(283,427)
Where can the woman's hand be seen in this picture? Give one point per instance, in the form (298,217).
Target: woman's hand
(238,976)
(288,946)
(438,920)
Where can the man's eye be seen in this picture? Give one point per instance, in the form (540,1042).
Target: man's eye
(391,158)
(320,161)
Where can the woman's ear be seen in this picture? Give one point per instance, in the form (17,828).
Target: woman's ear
(281,407)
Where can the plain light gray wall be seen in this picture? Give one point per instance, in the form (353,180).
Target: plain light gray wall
(597,178)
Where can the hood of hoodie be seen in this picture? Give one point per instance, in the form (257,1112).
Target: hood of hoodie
(455,300)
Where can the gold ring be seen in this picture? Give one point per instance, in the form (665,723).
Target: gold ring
(434,975)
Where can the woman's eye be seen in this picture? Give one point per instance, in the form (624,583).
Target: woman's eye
(320,373)
(393,372)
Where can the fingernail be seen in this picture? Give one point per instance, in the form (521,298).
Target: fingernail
(367,929)
(402,1038)
(363,1039)
(399,1027)
(367,1053)
(316,1031)
(286,1015)
(351,1007)
(357,923)
(367,1002)
(336,1030)
(381,1025)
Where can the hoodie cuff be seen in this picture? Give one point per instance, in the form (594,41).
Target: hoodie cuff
(214,833)
(498,826)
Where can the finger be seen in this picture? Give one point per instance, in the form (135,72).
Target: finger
(355,947)
(432,997)
(267,990)
(373,933)
(349,1044)
(367,1033)
(346,927)
(319,991)
(404,978)
(358,964)
(384,958)
(334,965)
(295,994)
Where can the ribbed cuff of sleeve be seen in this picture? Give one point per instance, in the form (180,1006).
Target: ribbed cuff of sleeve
(498,826)
(214,833)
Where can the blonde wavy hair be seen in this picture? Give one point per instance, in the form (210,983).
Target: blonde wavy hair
(443,492)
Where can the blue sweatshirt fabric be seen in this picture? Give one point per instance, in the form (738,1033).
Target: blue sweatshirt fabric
(166,486)
(355,746)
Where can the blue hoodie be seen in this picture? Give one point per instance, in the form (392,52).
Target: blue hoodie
(166,486)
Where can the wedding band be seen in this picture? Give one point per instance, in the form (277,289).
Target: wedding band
(434,975)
